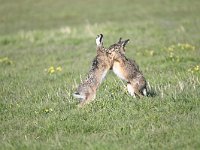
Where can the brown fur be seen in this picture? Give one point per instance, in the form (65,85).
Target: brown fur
(100,66)
(127,69)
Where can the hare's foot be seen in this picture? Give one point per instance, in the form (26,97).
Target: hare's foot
(137,92)
(131,90)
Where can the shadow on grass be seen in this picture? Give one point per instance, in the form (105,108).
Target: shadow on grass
(151,93)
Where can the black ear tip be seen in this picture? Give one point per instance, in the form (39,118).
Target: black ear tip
(101,35)
(127,41)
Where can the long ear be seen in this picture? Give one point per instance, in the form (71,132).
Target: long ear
(125,42)
(99,39)
(120,40)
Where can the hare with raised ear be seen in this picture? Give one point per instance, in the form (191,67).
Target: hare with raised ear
(127,69)
(86,91)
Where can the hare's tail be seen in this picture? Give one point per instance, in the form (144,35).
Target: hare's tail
(78,95)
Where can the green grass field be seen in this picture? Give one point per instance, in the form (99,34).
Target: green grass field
(46,48)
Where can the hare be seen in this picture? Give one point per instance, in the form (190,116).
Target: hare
(127,69)
(101,64)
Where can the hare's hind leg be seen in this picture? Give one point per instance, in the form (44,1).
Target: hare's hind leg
(131,90)
(136,90)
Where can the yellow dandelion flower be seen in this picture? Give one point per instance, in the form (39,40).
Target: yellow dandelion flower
(6,60)
(46,110)
(196,68)
(59,68)
(51,70)
(151,53)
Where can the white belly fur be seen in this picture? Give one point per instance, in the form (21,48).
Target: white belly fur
(103,75)
(116,69)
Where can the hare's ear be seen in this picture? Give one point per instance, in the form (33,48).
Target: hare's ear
(120,40)
(125,42)
(99,39)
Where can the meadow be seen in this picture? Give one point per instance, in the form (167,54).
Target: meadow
(46,49)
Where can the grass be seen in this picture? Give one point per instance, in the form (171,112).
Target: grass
(36,104)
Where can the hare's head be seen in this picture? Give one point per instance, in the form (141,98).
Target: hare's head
(122,45)
(118,48)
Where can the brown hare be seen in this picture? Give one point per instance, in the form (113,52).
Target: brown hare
(127,69)
(101,64)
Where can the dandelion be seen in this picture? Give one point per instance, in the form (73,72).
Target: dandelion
(59,69)
(151,53)
(6,60)
(48,110)
(194,69)
(174,51)
(51,70)
(186,46)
